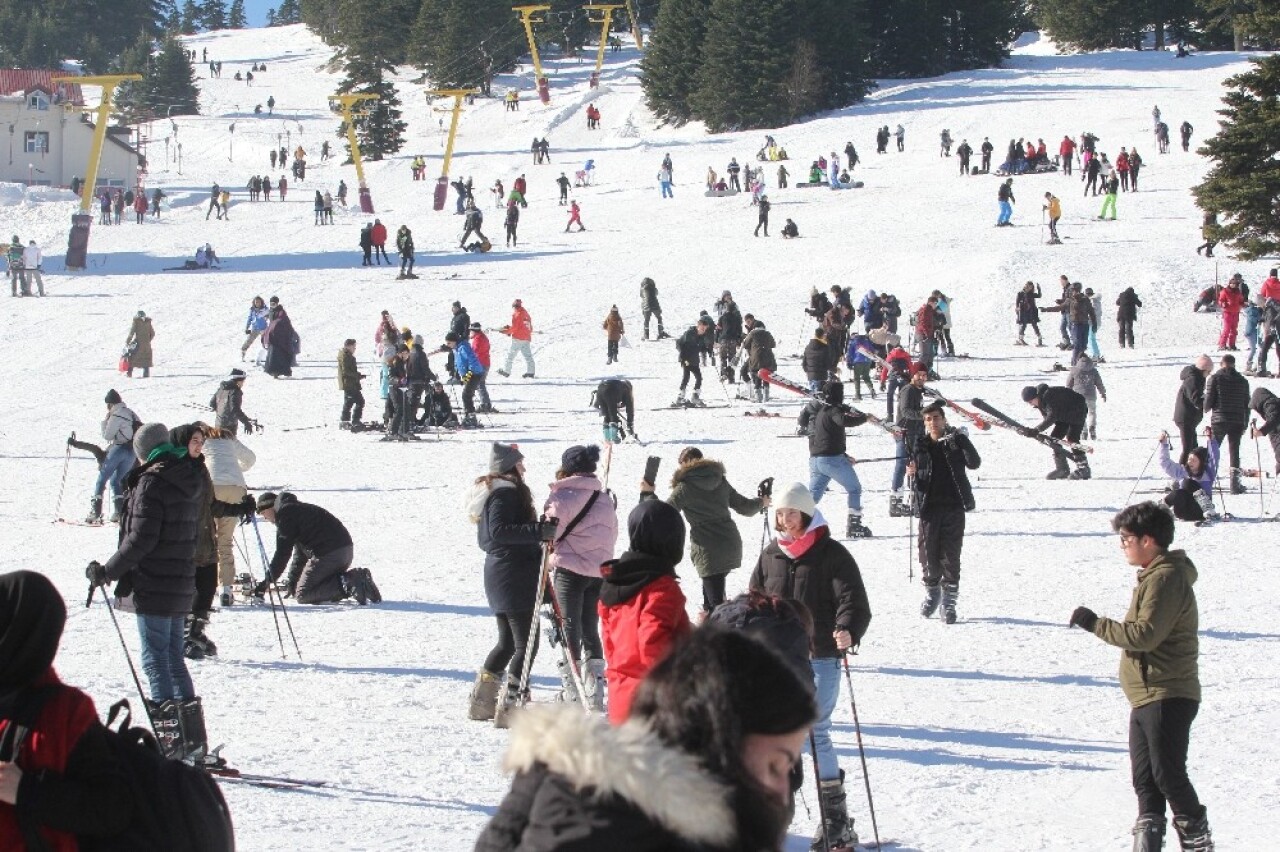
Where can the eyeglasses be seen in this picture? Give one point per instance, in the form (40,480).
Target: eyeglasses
(1125,538)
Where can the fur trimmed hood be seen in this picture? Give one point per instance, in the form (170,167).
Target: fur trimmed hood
(704,473)
(629,762)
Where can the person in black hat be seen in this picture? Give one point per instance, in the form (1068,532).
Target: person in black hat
(226,402)
(322,551)
(117,430)
(609,396)
(1066,411)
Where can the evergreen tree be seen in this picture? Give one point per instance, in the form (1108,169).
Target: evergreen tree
(213,15)
(1244,182)
(171,85)
(236,19)
(376,29)
(672,56)
(290,12)
(462,43)
(567,26)
(980,32)
(272,21)
(834,31)
(379,130)
(42,35)
(747,58)
(1099,24)
(190,22)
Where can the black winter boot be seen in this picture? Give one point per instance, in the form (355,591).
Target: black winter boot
(166,721)
(932,596)
(194,738)
(196,645)
(839,834)
(950,592)
(1148,833)
(95,511)
(1194,834)
(1237,487)
(1060,470)
(117,509)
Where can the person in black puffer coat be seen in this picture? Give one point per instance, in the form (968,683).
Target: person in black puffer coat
(1066,411)
(510,534)
(1127,314)
(816,360)
(685,773)
(1267,405)
(1188,408)
(1226,394)
(758,346)
(322,552)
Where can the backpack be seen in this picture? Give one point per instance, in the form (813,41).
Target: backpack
(176,807)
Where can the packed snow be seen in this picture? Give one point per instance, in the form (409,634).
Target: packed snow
(1006,731)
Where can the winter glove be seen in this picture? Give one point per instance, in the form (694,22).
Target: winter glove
(1026,431)
(248,428)
(95,574)
(1083,617)
(246,329)
(547,529)
(248,507)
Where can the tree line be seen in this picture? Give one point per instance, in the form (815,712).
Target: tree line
(1203,24)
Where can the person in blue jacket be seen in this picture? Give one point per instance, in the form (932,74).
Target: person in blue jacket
(857,359)
(255,324)
(470,371)
(871,311)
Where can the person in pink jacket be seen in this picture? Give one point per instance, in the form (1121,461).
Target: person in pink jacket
(1231,300)
(584,541)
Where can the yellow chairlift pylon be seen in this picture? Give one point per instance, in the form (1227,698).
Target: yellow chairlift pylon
(635,24)
(527,18)
(605,21)
(347,104)
(78,240)
(442,183)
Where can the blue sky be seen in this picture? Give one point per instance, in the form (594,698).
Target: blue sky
(257,11)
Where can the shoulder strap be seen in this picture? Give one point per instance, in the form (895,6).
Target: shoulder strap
(595,495)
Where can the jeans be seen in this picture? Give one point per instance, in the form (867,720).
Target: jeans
(666,190)
(115,467)
(823,469)
(900,463)
(162,660)
(520,347)
(1006,213)
(1079,340)
(1094,352)
(1158,737)
(1065,327)
(826,679)
(578,596)
(1232,433)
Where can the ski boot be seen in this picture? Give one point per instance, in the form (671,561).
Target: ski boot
(526,375)
(568,686)
(898,507)
(1060,470)
(504,374)
(1093,433)
(166,721)
(594,684)
(196,645)
(680,401)
(1264,373)
(502,713)
(1237,487)
(195,740)
(1082,470)
(662,335)
(1205,501)
(117,509)
(226,598)
(1148,833)
(855,529)
(371,589)
(950,591)
(696,400)
(469,421)
(1040,341)
(1194,834)
(95,512)
(1021,341)
(932,597)
(836,833)
(484,696)
(353,586)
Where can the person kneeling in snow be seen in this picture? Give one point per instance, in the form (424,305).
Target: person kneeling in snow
(1192,497)
(322,549)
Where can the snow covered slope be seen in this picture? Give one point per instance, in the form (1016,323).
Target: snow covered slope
(1006,731)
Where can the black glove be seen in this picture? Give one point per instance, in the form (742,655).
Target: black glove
(95,574)
(248,428)
(547,529)
(1083,617)
(1026,431)
(247,507)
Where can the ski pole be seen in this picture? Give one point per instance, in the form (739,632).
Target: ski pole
(271,586)
(1262,505)
(817,782)
(558,631)
(1141,475)
(862,754)
(146,706)
(911,530)
(531,645)
(66,463)
(244,554)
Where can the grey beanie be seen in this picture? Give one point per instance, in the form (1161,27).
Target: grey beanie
(148,438)
(503,458)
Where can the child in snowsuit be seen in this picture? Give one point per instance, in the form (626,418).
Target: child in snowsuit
(613,331)
(575,215)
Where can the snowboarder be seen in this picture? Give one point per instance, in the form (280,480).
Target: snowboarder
(349,377)
(824,420)
(321,551)
(1159,675)
(1053,207)
(606,398)
(1065,410)
(613,329)
(520,330)
(1226,394)
(1085,379)
(940,456)
(689,348)
(650,307)
(1004,195)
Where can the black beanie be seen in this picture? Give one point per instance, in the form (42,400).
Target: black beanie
(112,397)
(833,391)
(32,615)
(1029,393)
(580,459)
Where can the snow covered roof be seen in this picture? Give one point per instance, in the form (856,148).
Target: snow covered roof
(20,81)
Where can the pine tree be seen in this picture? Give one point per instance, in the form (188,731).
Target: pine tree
(190,22)
(672,56)
(1099,24)
(380,131)
(213,15)
(36,35)
(290,12)
(834,31)
(746,61)
(567,26)
(171,85)
(236,19)
(272,21)
(1244,182)
(980,31)
(462,43)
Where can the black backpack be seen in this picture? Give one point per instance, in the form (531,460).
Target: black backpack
(176,807)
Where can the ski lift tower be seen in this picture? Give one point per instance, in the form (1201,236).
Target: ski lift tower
(635,24)
(527,18)
(78,240)
(442,183)
(348,104)
(605,21)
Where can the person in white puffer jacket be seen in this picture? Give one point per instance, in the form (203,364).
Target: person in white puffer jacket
(227,459)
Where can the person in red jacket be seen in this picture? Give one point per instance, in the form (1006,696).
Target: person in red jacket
(378,236)
(642,609)
(1230,300)
(1271,287)
(1122,169)
(63,783)
(1067,154)
(480,345)
(926,325)
(520,330)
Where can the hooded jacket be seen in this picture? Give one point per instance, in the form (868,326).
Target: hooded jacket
(699,489)
(348,372)
(581,784)
(589,544)
(155,558)
(1061,405)
(508,535)
(642,609)
(613,326)
(1158,634)
(1267,405)
(817,361)
(119,425)
(1128,304)
(1226,394)
(1188,410)
(649,296)
(1025,305)
(227,414)
(1085,379)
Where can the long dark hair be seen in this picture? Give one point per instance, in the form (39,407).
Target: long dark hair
(522,490)
(713,690)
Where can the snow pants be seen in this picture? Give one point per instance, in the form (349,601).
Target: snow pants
(1230,328)
(1126,333)
(1006,213)
(652,313)
(940,539)
(520,347)
(1108,203)
(321,577)
(1159,734)
(352,406)
(1182,501)
(713,593)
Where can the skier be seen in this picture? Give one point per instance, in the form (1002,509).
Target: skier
(585,540)
(1085,379)
(650,307)
(469,372)
(349,377)
(1027,313)
(511,223)
(940,456)
(563,183)
(1065,410)
(377,235)
(117,430)
(909,420)
(606,398)
(614,329)
(964,152)
(807,564)
(226,404)
(1185,131)
(480,346)
(1004,195)
(1078,308)
(762,220)
(520,330)
(512,536)
(728,334)
(1159,675)
(575,215)
(1226,394)
(322,551)
(471,225)
(1191,494)
(689,348)
(824,420)
(1054,209)
(404,243)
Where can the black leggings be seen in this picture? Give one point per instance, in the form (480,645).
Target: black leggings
(1187,431)
(206,587)
(513,644)
(694,370)
(1232,434)
(1183,501)
(1022,328)
(712,591)
(578,595)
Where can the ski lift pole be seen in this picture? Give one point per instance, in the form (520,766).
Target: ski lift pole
(527,18)
(442,183)
(635,24)
(606,21)
(347,102)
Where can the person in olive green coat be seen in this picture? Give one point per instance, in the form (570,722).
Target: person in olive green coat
(699,490)
(1159,673)
(138,344)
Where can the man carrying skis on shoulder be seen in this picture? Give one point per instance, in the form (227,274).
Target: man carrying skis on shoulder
(824,421)
(1066,411)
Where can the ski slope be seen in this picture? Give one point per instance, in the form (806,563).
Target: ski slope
(1006,731)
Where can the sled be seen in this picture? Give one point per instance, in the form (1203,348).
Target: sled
(1037,169)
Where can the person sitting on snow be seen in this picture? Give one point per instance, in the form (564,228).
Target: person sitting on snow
(790,231)
(1192,496)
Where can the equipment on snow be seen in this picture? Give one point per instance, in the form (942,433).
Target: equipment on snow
(795,387)
(1008,422)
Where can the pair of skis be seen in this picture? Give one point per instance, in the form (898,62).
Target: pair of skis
(795,387)
(972,416)
(1005,421)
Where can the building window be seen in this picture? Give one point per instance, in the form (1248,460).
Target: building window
(36,142)
(37,100)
